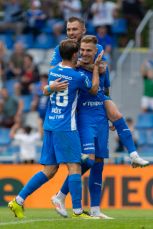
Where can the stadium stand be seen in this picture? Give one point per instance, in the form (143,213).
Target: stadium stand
(41,48)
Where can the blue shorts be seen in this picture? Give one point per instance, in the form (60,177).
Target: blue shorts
(60,147)
(94,138)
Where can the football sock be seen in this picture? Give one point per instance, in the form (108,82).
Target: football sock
(60,195)
(65,186)
(85,165)
(95,183)
(75,188)
(34,183)
(19,200)
(124,134)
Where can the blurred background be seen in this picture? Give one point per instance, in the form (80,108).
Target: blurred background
(29,32)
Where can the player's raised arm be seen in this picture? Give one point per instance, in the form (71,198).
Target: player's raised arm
(95,78)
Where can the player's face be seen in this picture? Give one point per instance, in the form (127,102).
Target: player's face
(88,52)
(75,30)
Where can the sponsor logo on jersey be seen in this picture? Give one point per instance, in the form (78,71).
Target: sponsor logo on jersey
(60,76)
(92,104)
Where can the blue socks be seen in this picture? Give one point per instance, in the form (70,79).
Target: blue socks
(85,165)
(34,183)
(74,183)
(95,183)
(65,186)
(125,134)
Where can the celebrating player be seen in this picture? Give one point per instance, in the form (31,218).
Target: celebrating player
(61,143)
(92,124)
(76,30)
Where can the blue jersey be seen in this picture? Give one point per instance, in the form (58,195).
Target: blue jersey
(56,59)
(61,115)
(93,105)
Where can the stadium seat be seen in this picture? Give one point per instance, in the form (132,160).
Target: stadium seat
(142,137)
(4,136)
(27,99)
(43,68)
(26,39)
(150,137)
(8,154)
(144,120)
(119,26)
(146,152)
(9,84)
(48,28)
(90,28)
(7,40)
(44,41)
(38,55)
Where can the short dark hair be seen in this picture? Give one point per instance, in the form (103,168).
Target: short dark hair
(27,129)
(73,19)
(89,39)
(29,56)
(67,48)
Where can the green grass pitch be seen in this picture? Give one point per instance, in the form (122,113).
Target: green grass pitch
(49,219)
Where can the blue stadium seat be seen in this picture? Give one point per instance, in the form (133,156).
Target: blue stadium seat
(146,150)
(7,40)
(44,41)
(4,136)
(142,137)
(144,120)
(27,99)
(26,39)
(90,28)
(150,137)
(119,26)
(8,154)
(9,84)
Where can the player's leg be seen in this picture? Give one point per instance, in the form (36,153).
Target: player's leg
(71,155)
(95,177)
(87,161)
(124,133)
(50,168)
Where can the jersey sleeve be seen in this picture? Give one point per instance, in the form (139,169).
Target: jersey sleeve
(56,59)
(85,83)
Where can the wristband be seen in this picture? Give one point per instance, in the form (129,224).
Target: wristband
(48,89)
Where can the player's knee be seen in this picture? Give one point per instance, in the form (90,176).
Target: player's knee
(98,159)
(50,171)
(74,168)
(92,157)
(115,115)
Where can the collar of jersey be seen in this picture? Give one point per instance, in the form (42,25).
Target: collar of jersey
(64,66)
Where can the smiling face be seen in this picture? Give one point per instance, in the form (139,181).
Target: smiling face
(75,30)
(88,52)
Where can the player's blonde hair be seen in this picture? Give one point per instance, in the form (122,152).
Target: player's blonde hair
(89,39)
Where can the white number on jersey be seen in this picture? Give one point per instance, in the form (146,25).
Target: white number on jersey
(61,97)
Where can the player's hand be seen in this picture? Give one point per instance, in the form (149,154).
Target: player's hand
(112,128)
(99,58)
(58,85)
(102,67)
